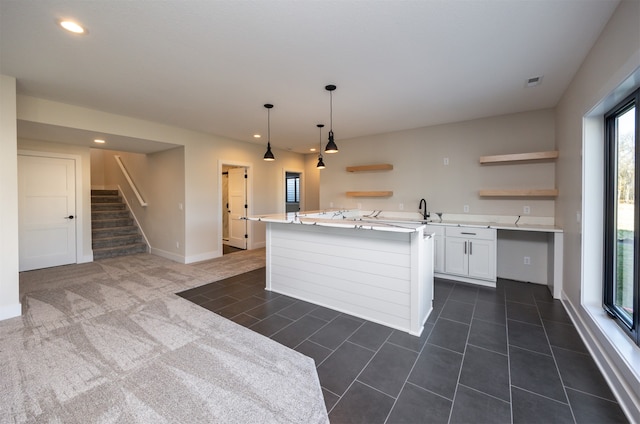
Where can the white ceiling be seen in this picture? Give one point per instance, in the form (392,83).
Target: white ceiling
(211,65)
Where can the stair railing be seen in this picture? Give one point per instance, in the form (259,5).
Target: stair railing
(130,181)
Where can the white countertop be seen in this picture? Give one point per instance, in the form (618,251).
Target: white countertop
(403,221)
(343,219)
(500,226)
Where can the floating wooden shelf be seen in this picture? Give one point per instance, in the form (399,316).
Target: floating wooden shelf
(550,192)
(520,157)
(369,193)
(376,167)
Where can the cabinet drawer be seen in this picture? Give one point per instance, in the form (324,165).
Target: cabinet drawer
(471,232)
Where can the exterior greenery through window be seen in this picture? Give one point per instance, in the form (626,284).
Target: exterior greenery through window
(622,209)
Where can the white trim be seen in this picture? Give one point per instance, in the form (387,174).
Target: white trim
(126,201)
(10,311)
(130,181)
(250,240)
(79,216)
(605,341)
(203,256)
(168,255)
(283,189)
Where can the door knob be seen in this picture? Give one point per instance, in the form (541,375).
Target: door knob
(68,217)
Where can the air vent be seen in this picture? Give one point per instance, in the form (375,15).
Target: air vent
(533,81)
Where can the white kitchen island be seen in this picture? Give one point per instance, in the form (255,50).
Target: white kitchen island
(375,269)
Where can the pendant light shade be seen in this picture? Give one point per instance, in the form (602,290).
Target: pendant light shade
(320,164)
(268,156)
(331,145)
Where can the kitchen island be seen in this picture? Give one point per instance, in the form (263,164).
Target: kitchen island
(377,269)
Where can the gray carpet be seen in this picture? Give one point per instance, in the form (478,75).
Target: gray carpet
(109,341)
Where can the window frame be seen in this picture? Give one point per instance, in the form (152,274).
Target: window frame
(296,187)
(629,326)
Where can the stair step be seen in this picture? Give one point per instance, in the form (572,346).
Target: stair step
(104,192)
(106,232)
(116,214)
(115,241)
(110,223)
(106,199)
(107,207)
(110,252)
(113,231)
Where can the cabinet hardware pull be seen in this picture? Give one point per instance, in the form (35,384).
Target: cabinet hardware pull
(471,248)
(469,234)
(465,247)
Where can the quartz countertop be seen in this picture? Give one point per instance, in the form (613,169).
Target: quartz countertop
(344,219)
(403,221)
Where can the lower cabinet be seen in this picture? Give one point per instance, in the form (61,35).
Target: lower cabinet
(465,253)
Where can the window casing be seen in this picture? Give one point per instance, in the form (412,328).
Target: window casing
(622,212)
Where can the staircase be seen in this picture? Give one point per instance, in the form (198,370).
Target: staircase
(114,232)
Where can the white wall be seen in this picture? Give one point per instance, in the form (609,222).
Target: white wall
(202,153)
(419,171)
(159,177)
(610,63)
(9,293)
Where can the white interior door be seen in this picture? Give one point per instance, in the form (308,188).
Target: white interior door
(46,207)
(238,207)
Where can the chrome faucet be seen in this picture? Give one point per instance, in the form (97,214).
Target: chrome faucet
(425,213)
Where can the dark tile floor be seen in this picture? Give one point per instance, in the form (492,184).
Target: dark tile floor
(504,355)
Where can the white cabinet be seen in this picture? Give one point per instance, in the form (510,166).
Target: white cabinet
(438,246)
(470,252)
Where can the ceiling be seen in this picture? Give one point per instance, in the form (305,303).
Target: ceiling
(210,65)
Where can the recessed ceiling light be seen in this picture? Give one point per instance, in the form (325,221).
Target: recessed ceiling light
(257,136)
(312,149)
(72,26)
(99,141)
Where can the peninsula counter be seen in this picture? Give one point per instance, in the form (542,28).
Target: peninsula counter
(381,271)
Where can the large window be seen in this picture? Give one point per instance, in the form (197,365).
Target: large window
(622,213)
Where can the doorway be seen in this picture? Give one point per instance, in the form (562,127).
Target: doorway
(234,208)
(47,211)
(292,191)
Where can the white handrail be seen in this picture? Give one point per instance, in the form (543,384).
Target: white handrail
(131,184)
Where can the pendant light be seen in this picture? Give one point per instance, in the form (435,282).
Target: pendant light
(331,145)
(268,156)
(320,162)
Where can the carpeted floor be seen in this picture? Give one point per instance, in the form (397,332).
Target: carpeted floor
(109,341)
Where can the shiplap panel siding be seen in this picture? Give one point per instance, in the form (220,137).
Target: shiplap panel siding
(376,275)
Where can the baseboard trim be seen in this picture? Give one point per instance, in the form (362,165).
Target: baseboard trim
(203,257)
(167,255)
(604,352)
(10,311)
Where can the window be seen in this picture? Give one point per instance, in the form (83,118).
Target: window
(293,187)
(622,212)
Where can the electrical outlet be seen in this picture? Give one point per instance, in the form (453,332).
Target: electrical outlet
(177,245)
(527,260)
(526,210)
(359,206)
(446,161)
(401,206)
(466,208)
(180,206)
(330,204)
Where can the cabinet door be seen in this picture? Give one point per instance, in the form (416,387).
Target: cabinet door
(482,259)
(455,256)
(438,248)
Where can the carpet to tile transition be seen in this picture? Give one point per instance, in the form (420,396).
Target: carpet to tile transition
(110,342)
